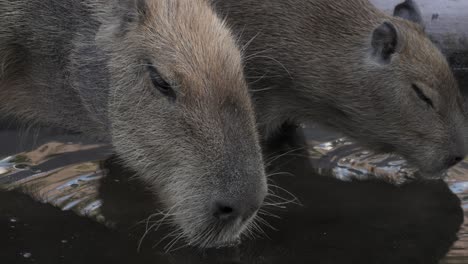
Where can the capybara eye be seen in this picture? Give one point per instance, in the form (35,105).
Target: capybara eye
(422,96)
(160,84)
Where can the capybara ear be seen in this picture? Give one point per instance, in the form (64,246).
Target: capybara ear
(409,10)
(385,42)
(119,16)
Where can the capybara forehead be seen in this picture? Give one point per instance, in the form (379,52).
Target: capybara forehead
(191,48)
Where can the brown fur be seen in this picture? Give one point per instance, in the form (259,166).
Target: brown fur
(314,60)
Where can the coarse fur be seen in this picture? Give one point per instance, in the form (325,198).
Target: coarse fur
(349,66)
(91,66)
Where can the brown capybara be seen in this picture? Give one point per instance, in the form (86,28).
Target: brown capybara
(346,65)
(162,81)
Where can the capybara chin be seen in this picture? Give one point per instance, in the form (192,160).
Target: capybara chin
(349,66)
(162,81)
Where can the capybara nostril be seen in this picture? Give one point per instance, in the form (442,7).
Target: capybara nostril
(230,210)
(224,211)
(454,161)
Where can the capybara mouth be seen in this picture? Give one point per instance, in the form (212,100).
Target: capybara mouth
(185,228)
(207,235)
(236,241)
(220,234)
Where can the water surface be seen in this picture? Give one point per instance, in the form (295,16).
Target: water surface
(339,221)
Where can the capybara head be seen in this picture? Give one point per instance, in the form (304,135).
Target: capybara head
(349,66)
(181,116)
(415,94)
(398,93)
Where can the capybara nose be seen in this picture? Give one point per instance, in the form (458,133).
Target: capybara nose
(454,160)
(230,210)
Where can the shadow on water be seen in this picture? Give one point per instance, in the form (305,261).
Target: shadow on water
(338,222)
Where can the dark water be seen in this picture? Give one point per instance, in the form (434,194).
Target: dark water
(338,222)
